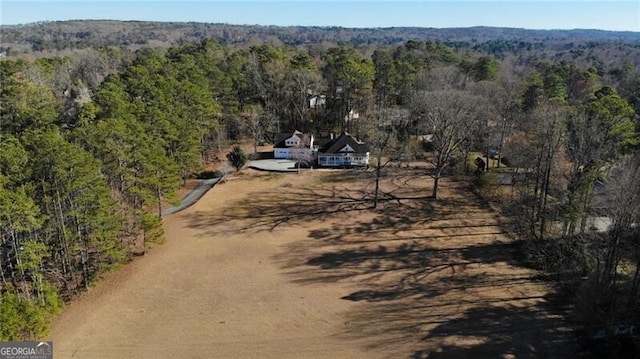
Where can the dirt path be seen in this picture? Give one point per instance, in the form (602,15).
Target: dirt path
(284,266)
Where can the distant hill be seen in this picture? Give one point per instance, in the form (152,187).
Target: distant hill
(62,35)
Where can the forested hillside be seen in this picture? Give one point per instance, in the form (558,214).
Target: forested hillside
(78,34)
(95,139)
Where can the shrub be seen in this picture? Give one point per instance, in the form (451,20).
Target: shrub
(237,158)
(488,185)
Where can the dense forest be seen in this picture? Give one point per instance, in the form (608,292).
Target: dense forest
(60,35)
(95,137)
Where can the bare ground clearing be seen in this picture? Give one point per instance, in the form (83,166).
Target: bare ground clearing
(298,266)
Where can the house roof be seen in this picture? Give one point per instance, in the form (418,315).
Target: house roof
(322,141)
(338,144)
(320,97)
(306,139)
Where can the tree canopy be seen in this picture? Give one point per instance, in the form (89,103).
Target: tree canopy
(94,143)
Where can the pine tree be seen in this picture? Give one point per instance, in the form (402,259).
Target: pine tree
(237,158)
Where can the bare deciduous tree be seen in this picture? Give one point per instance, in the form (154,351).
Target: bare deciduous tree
(257,124)
(383,138)
(302,82)
(450,117)
(623,203)
(548,121)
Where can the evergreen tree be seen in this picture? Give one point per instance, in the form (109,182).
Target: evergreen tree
(237,158)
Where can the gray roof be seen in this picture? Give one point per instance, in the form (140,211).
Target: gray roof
(282,137)
(337,144)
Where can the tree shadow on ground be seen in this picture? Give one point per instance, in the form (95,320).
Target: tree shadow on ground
(429,279)
(267,210)
(435,280)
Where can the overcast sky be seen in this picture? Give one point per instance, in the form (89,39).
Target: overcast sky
(546,14)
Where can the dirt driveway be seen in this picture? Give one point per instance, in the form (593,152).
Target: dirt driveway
(297,266)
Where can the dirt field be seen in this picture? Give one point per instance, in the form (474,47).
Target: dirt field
(298,266)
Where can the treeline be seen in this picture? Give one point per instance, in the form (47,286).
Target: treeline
(567,140)
(92,144)
(51,37)
(82,180)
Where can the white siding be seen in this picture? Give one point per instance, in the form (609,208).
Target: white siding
(351,159)
(293,153)
(281,153)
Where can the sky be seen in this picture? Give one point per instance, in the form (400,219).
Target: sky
(544,14)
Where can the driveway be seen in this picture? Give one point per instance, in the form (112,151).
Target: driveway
(193,196)
(275,165)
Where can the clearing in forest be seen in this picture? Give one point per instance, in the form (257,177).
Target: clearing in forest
(299,266)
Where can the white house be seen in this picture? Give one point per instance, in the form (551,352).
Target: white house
(344,150)
(352,115)
(317,101)
(294,146)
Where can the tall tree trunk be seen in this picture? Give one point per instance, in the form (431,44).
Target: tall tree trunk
(16,248)
(377,189)
(543,200)
(533,219)
(62,230)
(486,168)
(436,181)
(3,277)
(635,286)
(159,200)
(84,252)
(502,133)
